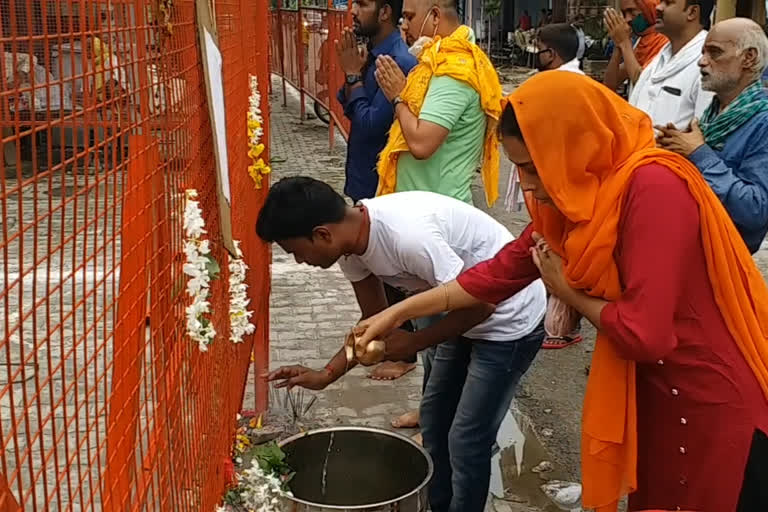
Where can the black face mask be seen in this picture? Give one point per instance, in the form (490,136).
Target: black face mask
(539,64)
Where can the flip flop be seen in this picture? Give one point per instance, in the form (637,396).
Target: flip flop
(560,341)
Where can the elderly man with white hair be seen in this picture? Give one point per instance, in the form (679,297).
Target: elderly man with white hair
(729,144)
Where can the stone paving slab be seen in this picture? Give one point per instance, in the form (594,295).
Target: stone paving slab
(59,351)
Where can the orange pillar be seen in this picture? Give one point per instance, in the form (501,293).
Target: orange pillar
(130,328)
(261,343)
(300,57)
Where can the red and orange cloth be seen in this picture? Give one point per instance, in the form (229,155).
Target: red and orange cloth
(586,172)
(651,42)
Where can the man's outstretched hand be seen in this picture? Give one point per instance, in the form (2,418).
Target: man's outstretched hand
(297,375)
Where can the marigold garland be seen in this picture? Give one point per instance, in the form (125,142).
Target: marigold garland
(258,168)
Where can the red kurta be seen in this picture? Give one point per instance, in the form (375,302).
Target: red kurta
(698,401)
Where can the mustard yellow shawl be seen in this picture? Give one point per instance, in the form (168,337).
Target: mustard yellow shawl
(457,57)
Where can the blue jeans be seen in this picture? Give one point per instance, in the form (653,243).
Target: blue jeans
(428,354)
(470,387)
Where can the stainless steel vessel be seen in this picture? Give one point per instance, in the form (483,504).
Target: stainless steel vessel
(356,469)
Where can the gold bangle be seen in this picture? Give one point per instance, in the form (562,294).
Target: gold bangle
(447,298)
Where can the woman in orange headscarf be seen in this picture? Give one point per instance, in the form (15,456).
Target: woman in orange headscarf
(632,237)
(628,60)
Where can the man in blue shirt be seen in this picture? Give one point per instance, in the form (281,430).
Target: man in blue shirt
(370,112)
(729,144)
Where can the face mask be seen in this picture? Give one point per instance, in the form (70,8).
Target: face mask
(417,47)
(639,24)
(541,66)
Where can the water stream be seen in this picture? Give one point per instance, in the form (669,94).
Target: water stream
(325,464)
(330,442)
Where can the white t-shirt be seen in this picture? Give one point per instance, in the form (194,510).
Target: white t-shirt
(419,240)
(669,88)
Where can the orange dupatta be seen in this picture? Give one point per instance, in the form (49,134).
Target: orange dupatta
(651,42)
(586,142)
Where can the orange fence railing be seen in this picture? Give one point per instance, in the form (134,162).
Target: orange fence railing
(105,402)
(303,54)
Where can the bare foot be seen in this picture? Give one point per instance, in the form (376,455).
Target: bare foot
(390,370)
(407,420)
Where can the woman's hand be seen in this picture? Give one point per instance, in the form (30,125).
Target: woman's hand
(551,268)
(375,327)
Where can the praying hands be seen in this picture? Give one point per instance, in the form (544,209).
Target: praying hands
(390,77)
(550,266)
(352,57)
(682,143)
(617,27)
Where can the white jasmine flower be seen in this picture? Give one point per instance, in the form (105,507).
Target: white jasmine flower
(239,315)
(261,491)
(196,251)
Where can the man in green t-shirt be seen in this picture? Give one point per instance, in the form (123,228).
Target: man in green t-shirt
(454,108)
(445,140)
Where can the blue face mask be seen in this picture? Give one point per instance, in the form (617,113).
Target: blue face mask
(639,24)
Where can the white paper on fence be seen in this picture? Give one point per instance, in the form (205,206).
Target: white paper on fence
(219,120)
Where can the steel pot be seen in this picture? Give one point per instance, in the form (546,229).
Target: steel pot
(356,469)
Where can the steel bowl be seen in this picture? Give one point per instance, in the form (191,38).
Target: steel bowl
(356,469)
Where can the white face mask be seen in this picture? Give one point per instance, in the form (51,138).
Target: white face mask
(417,47)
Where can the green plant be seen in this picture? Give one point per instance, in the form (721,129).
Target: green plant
(271,459)
(492,8)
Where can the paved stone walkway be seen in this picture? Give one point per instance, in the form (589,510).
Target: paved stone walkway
(58,294)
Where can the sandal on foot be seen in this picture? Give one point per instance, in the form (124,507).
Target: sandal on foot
(558,342)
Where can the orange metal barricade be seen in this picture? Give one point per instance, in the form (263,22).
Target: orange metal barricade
(337,20)
(105,402)
(305,56)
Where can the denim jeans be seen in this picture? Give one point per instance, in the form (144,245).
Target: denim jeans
(470,387)
(428,354)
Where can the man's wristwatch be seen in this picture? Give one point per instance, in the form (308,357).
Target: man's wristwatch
(353,79)
(396,101)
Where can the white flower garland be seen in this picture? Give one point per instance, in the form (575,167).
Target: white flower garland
(197,251)
(258,168)
(239,314)
(261,491)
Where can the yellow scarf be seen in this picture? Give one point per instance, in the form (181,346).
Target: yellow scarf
(457,57)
